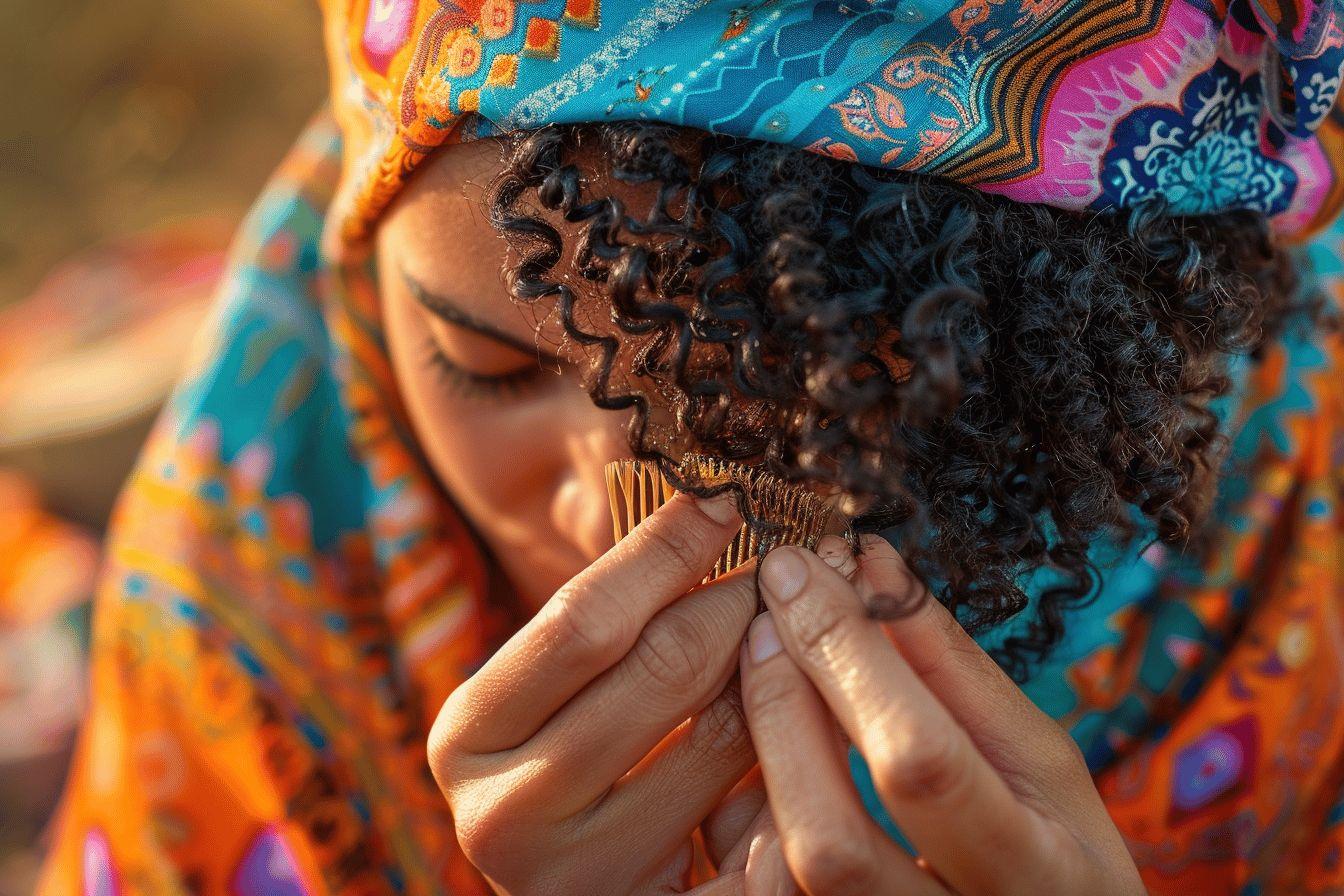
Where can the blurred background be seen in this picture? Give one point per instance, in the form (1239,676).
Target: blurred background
(136,134)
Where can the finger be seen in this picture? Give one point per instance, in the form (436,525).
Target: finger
(732,884)
(838,555)
(830,844)
(586,627)
(681,661)
(1012,733)
(758,853)
(681,782)
(736,854)
(1041,762)
(926,770)
(726,827)
(767,871)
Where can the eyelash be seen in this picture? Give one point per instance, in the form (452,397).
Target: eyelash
(481,385)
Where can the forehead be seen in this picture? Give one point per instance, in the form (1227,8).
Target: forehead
(438,231)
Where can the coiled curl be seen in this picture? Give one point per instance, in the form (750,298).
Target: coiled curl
(1001,382)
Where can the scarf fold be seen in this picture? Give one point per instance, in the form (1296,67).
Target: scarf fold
(289,596)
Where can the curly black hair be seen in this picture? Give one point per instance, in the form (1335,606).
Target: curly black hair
(1003,382)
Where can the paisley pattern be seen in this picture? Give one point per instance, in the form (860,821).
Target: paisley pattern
(289,597)
(1080,104)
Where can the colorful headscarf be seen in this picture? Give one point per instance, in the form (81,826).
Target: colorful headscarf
(1081,104)
(289,596)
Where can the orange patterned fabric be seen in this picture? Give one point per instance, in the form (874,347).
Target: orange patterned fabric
(1237,786)
(287,599)
(47,571)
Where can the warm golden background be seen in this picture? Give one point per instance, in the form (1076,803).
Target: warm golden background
(123,115)
(129,118)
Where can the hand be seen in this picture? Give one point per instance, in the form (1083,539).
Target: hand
(581,757)
(992,793)
(742,841)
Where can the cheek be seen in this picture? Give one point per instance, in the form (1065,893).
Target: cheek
(467,438)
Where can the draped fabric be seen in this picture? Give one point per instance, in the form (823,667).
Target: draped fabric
(1081,104)
(289,596)
(287,599)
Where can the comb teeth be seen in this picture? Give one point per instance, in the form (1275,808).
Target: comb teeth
(636,490)
(795,514)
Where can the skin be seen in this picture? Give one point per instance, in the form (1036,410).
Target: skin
(637,707)
(544,514)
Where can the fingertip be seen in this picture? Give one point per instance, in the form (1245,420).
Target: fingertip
(721,509)
(784,572)
(829,546)
(878,558)
(837,554)
(872,543)
(886,582)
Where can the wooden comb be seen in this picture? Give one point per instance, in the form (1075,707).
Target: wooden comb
(793,514)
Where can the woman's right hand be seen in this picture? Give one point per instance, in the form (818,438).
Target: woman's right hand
(583,755)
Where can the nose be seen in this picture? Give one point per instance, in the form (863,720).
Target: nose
(582,508)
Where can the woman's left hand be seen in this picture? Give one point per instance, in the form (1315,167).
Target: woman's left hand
(993,794)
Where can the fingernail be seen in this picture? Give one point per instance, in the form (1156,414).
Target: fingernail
(722,508)
(763,638)
(783,574)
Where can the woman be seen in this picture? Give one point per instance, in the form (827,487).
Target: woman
(1004,277)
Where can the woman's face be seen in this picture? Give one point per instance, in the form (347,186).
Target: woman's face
(510,432)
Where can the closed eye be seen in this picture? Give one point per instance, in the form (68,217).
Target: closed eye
(471,383)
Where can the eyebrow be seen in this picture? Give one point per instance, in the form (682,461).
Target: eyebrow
(448,311)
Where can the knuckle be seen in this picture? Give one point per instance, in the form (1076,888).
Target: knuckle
(910,582)
(672,652)
(722,731)
(895,564)
(1066,757)
(833,864)
(924,767)
(950,656)
(678,550)
(888,564)
(483,834)
(491,826)
(588,627)
(734,600)
(819,631)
